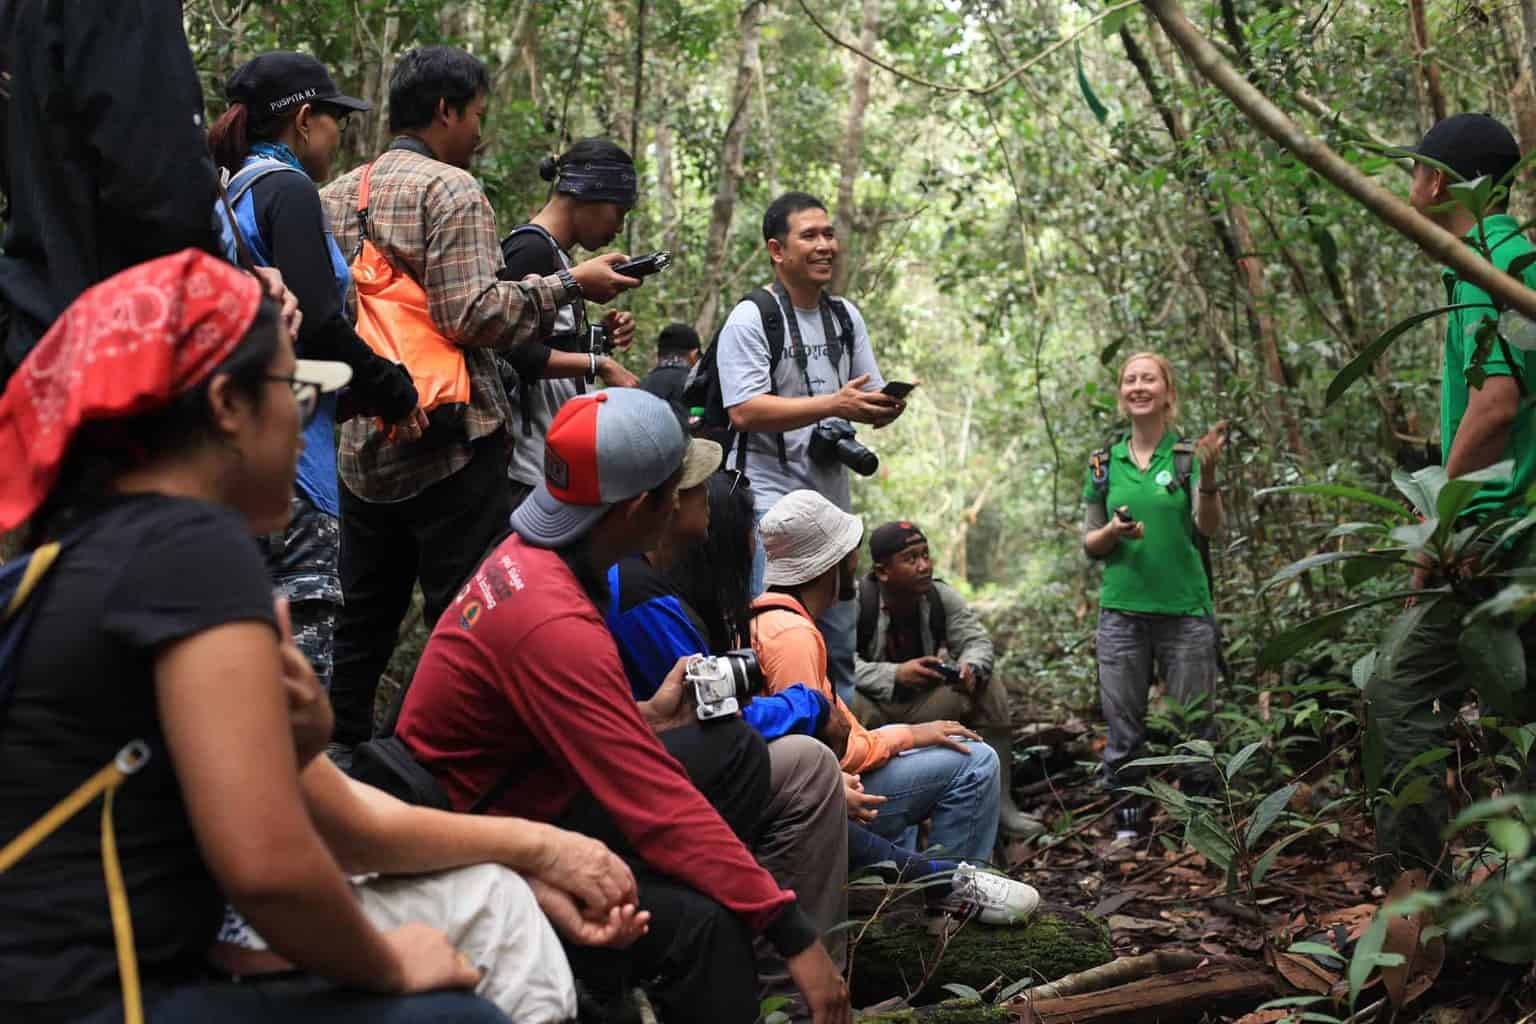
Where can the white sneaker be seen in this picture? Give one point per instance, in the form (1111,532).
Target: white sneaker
(997,899)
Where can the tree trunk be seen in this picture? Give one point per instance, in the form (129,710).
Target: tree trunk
(372,142)
(1427,65)
(748,66)
(666,189)
(853,145)
(1437,243)
(614,108)
(1262,322)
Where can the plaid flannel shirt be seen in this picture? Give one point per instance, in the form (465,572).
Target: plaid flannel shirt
(433,221)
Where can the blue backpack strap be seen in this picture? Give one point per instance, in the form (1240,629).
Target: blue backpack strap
(244,217)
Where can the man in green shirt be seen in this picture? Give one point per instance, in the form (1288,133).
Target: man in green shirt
(1419,685)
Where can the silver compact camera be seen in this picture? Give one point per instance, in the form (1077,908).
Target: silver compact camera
(721,685)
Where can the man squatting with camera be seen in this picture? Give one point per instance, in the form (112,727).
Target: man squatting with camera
(521,679)
(795,411)
(924,656)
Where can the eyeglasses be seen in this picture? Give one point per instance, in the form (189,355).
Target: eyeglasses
(305,392)
(738,479)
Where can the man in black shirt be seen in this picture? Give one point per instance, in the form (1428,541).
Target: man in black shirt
(677,349)
(593,193)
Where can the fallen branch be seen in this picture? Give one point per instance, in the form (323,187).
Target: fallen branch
(1122,971)
(1219,984)
(1439,244)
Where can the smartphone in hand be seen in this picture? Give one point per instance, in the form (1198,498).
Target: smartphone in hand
(897,389)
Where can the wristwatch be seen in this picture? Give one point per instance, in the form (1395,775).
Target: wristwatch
(568,280)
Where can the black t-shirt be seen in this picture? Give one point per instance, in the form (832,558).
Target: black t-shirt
(145,571)
(903,637)
(666,382)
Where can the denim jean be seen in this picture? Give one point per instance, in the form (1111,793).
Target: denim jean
(303,999)
(959,792)
(1183,648)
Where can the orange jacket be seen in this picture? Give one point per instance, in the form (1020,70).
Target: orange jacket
(790,649)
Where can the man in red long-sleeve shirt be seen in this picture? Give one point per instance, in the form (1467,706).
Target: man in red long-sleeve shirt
(522,676)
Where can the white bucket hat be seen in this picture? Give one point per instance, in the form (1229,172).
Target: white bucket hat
(803,536)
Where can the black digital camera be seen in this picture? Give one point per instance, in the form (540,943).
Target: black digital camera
(832,441)
(950,671)
(599,343)
(722,685)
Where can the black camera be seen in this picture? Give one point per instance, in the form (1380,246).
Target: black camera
(722,685)
(1124,516)
(832,441)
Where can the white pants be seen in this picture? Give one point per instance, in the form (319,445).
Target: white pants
(491,916)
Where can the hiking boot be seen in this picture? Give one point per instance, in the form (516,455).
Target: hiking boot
(1010,820)
(994,899)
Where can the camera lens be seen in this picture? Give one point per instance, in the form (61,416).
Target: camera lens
(857,457)
(746,672)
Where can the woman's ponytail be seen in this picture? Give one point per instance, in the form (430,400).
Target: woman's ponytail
(227,138)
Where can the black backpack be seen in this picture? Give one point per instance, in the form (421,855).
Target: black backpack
(869,616)
(703,388)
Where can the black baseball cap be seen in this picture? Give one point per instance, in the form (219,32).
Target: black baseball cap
(893,538)
(1472,145)
(275,84)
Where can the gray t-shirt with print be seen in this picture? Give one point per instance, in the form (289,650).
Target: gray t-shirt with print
(742,363)
(545,396)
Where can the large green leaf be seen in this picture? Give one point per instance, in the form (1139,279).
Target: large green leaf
(1265,814)
(1210,840)
(1300,637)
(1235,764)
(1421,488)
(1368,567)
(1456,494)
(1362,363)
(1096,105)
(1309,563)
(1493,652)
(1338,491)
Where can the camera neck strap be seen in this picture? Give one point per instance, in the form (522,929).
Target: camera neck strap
(829,331)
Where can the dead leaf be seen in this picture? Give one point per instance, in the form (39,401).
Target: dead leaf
(1305,973)
(1139,925)
(1301,798)
(1262,1017)
(1355,919)
(1402,937)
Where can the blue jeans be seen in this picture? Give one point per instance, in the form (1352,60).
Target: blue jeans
(959,792)
(304,999)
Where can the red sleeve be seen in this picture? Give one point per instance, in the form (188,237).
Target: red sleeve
(582,711)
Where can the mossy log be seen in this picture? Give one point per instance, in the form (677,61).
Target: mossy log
(953,1011)
(896,952)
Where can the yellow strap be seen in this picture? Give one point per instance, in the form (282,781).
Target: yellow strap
(128,761)
(122,921)
(42,561)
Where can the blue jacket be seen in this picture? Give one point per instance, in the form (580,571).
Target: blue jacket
(653,627)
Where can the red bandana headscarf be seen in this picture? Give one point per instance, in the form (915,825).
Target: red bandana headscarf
(126,346)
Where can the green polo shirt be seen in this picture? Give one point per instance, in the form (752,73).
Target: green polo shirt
(1160,573)
(1505,243)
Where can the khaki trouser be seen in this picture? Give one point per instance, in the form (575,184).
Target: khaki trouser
(988,709)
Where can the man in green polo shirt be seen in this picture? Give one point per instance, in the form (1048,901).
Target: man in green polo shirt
(1420,684)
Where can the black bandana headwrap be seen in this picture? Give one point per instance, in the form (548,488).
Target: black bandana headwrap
(598,181)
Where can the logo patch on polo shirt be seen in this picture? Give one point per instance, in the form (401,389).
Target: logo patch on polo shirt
(1164,478)
(557,472)
(470,615)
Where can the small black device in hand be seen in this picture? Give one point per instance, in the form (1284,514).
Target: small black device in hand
(897,389)
(599,343)
(950,671)
(833,442)
(645,266)
(722,685)
(1123,515)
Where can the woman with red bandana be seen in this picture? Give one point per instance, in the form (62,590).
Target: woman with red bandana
(152,430)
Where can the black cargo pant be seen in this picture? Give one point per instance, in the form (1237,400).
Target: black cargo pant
(438,538)
(696,961)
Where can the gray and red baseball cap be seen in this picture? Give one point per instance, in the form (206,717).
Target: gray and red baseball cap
(602,449)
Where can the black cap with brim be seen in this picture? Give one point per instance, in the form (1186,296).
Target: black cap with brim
(1472,145)
(273,84)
